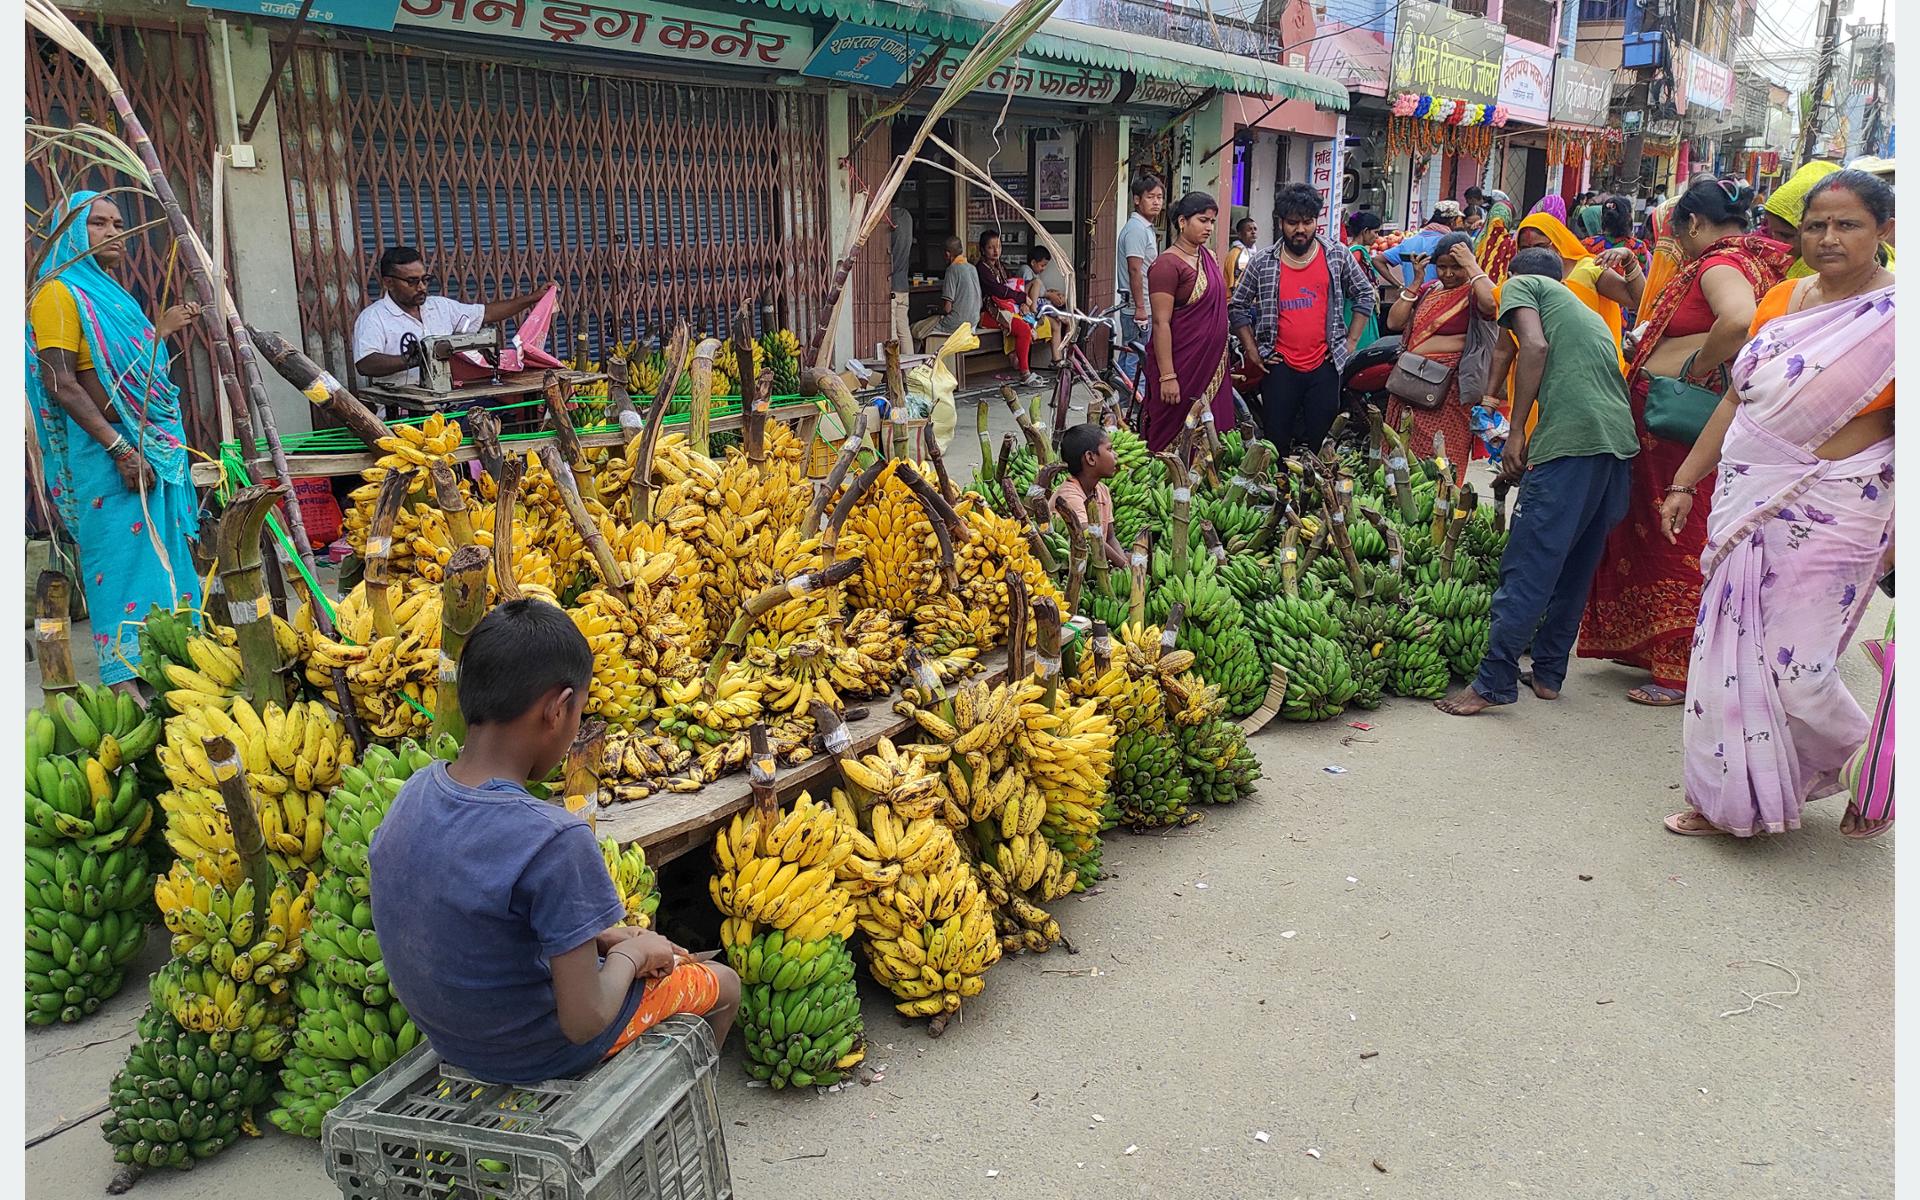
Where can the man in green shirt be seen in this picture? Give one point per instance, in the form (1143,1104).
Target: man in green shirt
(1573,475)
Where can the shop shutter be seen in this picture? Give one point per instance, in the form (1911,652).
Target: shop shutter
(165,73)
(648,201)
(872,278)
(1100,151)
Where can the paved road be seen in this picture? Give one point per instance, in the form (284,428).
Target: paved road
(1532,1032)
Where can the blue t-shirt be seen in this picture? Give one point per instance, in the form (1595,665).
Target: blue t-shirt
(1412,244)
(474,890)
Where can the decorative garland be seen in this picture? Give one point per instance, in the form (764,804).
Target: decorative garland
(1425,125)
(1573,146)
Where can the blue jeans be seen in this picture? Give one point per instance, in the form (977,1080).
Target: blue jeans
(1131,331)
(1567,508)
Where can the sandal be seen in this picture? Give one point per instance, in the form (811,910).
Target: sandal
(1857,827)
(1654,696)
(1691,824)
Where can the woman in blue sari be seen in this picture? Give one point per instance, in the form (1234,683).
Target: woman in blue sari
(107,418)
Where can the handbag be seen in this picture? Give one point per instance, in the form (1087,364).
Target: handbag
(1419,381)
(1677,410)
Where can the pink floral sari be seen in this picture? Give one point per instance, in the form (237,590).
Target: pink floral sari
(1793,551)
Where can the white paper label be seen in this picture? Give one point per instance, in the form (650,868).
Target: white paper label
(838,740)
(1339,516)
(1397,464)
(246,612)
(800,585)
(449,670)
(1219,553)
(1138,560)
(1167,638)
(1047,667)
(1288,554)
(49,627)
(1103,646)
(1181,495)
(1096,532)
(630,419)
(377,547)
(328,382)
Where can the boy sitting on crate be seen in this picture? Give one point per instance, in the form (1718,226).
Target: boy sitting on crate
(499,924)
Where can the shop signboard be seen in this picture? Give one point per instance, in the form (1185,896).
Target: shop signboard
(1582,94)
(863,54)
(1709,83)
(353,14)
(1030,79)
(1353,47)
(1163,93)
(1439,52)
(690,36)
(1526,81)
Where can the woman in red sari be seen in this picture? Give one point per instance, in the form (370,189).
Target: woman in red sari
(1449,320)
(1645,602)
(1188,346)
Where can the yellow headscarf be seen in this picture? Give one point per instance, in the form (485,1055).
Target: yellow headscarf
(1580,269)
(1569,246)
(1789,200)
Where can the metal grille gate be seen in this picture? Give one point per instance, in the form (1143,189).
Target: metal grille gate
(648,201)
(166,75)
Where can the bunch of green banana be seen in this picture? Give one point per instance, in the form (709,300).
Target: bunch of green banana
(808,1034)
(633,880)
(1418,671)
(1368,633)
(1251,578)
(83,925)
(90,798)
(176,1100)
(350,1025)
(1214,629)
(163,640)
(1220,767)
(1150,784)
(1460,613)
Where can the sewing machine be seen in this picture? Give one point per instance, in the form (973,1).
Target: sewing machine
(433,355)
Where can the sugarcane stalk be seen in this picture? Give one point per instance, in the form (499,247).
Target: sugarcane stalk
(379,549)
(605,564)
(1042,451)
(580,772)
(560,414)
(1046,637)
(753,401)
(1138,564)
(230,777)
(484,428)
(318,386)
(1462,513)
(640,503)
(761,603)
(1017,617)
(849,450)
(1182,511)
(700,408)
(53,630)
(503,501)
(463,601)
(243,580)
(452,503)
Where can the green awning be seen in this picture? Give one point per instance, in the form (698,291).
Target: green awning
(961,22)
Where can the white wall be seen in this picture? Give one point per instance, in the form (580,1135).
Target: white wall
(1263,180)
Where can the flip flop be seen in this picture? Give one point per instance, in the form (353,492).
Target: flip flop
(1862,830)
(1668,697)
(1673,826)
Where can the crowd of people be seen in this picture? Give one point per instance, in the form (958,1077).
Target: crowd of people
(1705,478)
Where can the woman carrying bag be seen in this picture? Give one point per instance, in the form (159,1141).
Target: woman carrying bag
(1446,351)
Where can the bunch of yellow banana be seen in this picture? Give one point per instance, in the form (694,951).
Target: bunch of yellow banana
(790,739)
(650,553)
(1134,700)
(951,635)
(416,446)
(214,925)
(635,763)
(999,546)
(638,648)
(904,780)
(780,873)
(698,720)
(214,677)
(1068,749)
(900,555)
(1022,923)
(742,520)
(633,880)
(977,739)
(393,685)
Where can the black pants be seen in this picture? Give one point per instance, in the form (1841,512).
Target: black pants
(1297,407)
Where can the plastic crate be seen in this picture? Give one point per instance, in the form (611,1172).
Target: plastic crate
(643,1126)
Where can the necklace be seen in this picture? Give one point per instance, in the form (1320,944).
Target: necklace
(1806,297)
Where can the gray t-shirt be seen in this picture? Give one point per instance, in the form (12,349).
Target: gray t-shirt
(1137,240)
(961,289)
(902,246)
(1052,278)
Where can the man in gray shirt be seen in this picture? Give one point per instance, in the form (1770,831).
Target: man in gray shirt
(1134,251)
(902,247)
(959,295)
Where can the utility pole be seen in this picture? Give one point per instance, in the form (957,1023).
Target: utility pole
(1823,72)
(1871,142)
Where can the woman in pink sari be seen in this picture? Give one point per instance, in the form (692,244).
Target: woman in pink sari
(1800,531)
(1188,347)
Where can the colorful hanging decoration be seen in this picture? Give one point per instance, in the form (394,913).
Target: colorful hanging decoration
(1574,145)
(1426,125)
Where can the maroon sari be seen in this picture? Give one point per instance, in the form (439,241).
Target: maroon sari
(1199,332)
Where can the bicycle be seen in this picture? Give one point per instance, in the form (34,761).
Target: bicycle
(1085,341)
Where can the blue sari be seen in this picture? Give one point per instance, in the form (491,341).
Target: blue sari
(134,551)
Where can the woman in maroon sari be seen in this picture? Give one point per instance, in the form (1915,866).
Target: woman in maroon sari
(1188,346)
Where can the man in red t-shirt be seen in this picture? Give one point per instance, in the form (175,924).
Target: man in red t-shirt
(1289,312)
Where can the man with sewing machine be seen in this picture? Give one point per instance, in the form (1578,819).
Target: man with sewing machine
(381,346)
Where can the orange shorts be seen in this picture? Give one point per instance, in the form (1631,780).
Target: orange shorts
(692,988)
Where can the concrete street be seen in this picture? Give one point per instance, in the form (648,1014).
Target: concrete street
(1470,966)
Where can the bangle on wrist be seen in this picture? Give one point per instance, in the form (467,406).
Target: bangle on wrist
(118,448)
(1682,490)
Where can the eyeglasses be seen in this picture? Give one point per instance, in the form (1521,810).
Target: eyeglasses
(423,280)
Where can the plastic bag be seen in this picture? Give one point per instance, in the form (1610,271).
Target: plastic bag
(930,386)
(1490,426)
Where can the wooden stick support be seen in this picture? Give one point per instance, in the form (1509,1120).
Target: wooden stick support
(463,601)
(249,608)
(319,387)
(700,410)
(53,632)
(248,841)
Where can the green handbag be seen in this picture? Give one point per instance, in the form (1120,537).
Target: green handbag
(1677,410)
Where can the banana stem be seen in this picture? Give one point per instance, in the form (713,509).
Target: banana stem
(1042,452)
(753,401)
(1046,630)
(1500,489)
(939,510)
(932,505)
(463,601)
(1462,512)
(53,646)
(1211,538)
(1102,639)
(1336,515)
(1017,508)
(842,463)
(503,515)
(1263,536)
(1290,560)
(619,374)
(244,583)
(700,408)
(320,388)
(1017,613)
(452,503)
(987,466)
(580,772)
(938,457)
(1329,452)
(1077,553)
(1254,466)
(484,428)
(560,412)
(1137,568)
(640,503)
(763,602)
(830,540)
(1398,472)
(1182,512)
(1396,557)
(248,842)
(761,770)
(1375,436)
(605,565)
